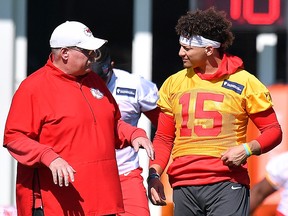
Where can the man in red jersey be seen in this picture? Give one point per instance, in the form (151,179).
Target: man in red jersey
(63,127)
(203,121)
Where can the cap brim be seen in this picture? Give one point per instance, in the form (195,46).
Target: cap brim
(92,44)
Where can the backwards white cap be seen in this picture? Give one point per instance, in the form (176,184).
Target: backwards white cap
(73,33)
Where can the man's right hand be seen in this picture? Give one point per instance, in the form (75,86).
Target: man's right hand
(156,192)
(62,172)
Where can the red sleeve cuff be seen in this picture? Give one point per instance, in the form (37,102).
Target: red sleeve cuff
(48,157)
(127,133)
(139,132)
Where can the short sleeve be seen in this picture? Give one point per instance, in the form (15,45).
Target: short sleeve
(164,94)
(257,96)
(148,95)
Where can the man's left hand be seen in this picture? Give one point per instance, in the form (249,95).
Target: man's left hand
(142,142)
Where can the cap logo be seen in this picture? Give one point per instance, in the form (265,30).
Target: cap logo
(87,32)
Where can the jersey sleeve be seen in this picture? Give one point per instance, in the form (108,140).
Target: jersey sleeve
(148,95)
(271,132)
(258,97)
(163,140)
(126,133)
(164,103)
(22,130)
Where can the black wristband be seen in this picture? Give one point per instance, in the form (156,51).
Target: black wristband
(153,176)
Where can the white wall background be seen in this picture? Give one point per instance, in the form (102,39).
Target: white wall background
(13,55)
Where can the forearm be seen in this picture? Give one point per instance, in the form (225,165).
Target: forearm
(163,148)
(127,133)
(259,193)
(163,142)
(255,201)
(271,133)
(31,153)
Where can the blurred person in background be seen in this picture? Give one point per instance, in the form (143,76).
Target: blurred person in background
(134,96)
(276,178)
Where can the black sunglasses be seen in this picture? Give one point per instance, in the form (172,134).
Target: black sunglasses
(89,53)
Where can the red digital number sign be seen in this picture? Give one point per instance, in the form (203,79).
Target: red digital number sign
(250,13)
(252,17)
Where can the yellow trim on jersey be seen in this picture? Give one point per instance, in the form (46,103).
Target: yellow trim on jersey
(211,116)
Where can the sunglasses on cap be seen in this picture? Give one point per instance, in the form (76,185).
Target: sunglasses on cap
(89,53)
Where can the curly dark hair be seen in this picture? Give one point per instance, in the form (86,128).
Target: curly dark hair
(210,23)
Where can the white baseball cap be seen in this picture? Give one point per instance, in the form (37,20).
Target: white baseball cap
(73,33)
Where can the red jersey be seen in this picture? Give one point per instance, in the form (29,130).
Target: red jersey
(52,115)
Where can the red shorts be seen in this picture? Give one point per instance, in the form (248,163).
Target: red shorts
(134,194)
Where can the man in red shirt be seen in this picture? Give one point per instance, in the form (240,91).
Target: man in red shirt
(63,127)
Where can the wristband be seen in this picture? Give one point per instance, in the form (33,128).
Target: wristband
(153,176)
(247,149)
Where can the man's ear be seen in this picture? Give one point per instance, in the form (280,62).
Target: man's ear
(209,50)
(64,53)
